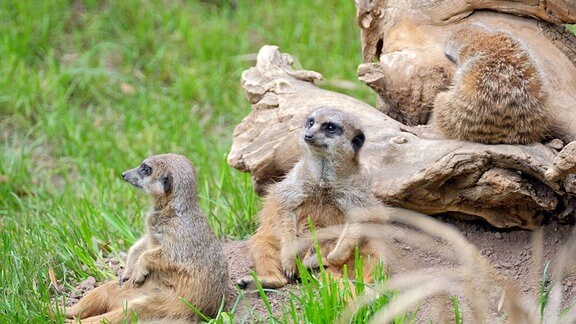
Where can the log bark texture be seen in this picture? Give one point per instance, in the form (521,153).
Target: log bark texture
(411,166)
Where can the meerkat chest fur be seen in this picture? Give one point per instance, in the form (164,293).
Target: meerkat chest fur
(328,181)
(184,234)
(162,225)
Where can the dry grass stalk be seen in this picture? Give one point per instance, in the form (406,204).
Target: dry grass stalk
(488,293)
(475,279)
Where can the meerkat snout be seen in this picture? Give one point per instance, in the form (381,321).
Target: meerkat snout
(149,177)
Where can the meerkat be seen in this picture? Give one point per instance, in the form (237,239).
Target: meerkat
(497,95)
(178,259)
(323,186)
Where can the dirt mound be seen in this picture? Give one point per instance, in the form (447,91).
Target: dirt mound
(509,252)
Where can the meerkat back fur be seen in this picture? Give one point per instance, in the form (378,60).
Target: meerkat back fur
(326,183)
(497,95)
(179,257)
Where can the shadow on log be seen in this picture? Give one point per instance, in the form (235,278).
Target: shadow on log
(411,166)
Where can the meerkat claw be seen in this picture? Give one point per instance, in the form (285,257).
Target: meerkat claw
(290,275)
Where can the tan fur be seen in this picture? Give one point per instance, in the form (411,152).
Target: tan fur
(323,187)
(497,95)
(179,257)
(339,253)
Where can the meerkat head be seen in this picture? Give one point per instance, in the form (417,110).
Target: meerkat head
(457,44)
(332,133)
(164,176)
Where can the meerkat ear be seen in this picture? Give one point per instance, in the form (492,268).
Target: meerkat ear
(358,141)
(167,183)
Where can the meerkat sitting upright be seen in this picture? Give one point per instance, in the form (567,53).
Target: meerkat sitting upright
(497,95)
(324,185)
(178,258)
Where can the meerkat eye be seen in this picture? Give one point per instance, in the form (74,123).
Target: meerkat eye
(310,122)
(146,169)
(332,129)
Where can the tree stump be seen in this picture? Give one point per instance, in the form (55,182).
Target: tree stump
(411,165)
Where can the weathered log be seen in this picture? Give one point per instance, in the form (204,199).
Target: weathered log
(403,49)
(564,163)
(411,166)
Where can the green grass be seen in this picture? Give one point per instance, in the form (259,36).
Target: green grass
(90,88)
(322,299)
(319,298)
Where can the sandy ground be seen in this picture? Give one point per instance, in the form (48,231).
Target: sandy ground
(509,252)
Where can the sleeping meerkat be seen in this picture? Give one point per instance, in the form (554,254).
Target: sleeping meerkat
(179,257)
(324,185)
(497,95)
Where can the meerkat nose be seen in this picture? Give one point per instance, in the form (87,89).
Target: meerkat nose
(124,175)
(308,137)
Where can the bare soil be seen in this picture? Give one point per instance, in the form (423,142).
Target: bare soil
(509,251)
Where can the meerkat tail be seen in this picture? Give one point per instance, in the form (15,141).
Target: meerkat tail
(95,302)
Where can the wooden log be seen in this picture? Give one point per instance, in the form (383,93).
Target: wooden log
(411,166)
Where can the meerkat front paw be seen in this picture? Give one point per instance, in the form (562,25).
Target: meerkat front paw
(289,268)
(310,260)
(122,280)
(140,276)
(125,276)
(139,279)
(338,258)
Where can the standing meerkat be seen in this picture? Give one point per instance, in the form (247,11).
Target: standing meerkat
(324,185)
(497,95)
(178,258)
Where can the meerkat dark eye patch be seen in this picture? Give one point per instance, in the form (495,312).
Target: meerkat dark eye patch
(332,129)
(358,141)
(167,183)
(309,122)
(145,170)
